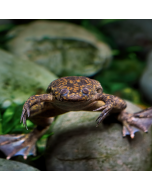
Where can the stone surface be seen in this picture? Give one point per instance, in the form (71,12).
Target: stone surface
(10,165)
(20,79)
(78,145)
(63,48)
(131,32)
(5,21)
(146,79)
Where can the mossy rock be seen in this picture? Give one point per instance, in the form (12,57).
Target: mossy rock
(20,79)
(63,48)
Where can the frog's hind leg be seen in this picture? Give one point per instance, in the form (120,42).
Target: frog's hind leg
(23,144)
(132,123)
(9,143)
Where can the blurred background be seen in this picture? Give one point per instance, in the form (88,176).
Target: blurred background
(116,52)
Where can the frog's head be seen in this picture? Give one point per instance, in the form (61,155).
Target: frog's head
(74,89)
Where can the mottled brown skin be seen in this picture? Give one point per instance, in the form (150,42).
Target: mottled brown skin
(72,94)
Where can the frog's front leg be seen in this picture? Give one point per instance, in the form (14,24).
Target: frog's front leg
(112,104)
(131,122)
(39,102)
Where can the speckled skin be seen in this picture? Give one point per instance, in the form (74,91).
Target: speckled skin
(74,93)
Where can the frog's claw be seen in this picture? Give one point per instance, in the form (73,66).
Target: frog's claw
(13,145)
(26,111)
(105,111)
(132,123)
(23,116)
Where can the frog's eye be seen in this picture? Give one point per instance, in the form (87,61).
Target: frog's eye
(64,91)
(99,90)
(85,91)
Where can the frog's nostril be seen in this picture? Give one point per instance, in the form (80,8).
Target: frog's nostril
(64,91)
(75,97)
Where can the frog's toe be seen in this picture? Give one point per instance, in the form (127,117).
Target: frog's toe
(129,130)
(13,145)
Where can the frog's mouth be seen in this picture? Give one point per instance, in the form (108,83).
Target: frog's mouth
(72,103)
(73,98)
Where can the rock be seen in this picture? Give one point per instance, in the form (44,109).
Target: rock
(77,145)
(131,32)
(20,79)
(146,79)
(5,21)
(63,48)
(10,165)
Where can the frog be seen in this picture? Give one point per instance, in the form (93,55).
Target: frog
(71,93)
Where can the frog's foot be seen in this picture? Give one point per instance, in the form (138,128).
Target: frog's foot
(135,122)
(13,145)
(129,129)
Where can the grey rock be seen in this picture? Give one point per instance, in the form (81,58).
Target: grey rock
(4,22)
(63,48)
(131,32)
(20,79)
(146,79)
(10,165)
(77,145)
